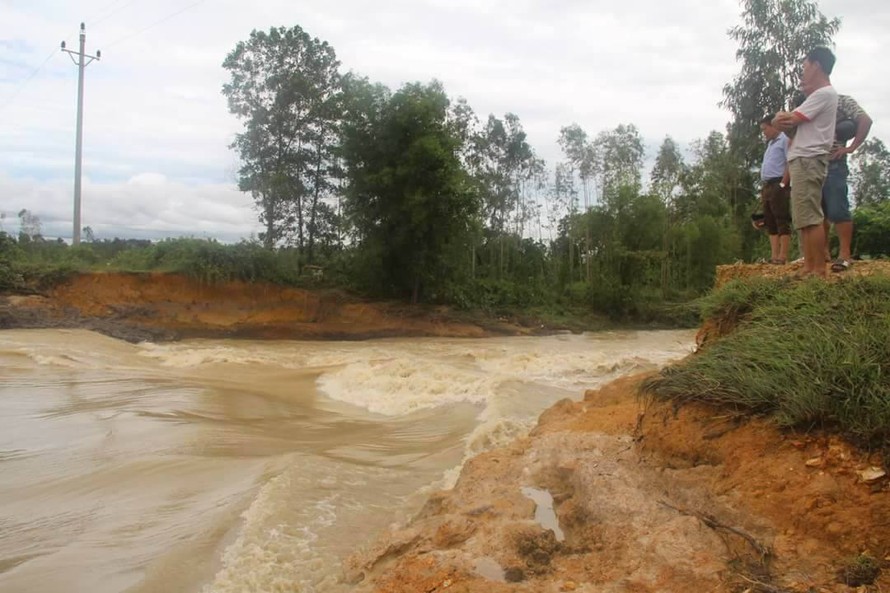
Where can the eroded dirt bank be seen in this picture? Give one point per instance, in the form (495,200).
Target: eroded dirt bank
(647,500)
(138,307)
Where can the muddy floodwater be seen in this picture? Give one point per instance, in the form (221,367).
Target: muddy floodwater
(216,466)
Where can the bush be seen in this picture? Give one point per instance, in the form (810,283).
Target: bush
(494,295)
(209,261)
(808,354)
(872,226)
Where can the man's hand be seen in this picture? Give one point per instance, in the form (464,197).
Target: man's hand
(841,152)
(785,121)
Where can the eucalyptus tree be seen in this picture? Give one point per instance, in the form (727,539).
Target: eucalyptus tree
(285,87)
(584,158)
(30,227)
(710,215)
(667,172)
(502,162)
(562,213)
(664,182)
(621,154)
(774,38)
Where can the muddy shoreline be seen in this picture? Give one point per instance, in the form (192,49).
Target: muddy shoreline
(649,499)
(167,307)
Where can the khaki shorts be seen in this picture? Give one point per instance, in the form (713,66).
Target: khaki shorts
(807,176)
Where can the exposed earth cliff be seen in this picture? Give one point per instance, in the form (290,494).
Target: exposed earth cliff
(155,306)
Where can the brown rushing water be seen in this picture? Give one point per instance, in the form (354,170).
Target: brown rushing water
(224,466)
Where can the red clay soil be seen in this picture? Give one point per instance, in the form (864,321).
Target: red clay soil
(167,306)
(740,270)
(650,500)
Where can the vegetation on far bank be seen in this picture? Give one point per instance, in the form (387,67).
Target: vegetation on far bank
(28,265)
(810,354)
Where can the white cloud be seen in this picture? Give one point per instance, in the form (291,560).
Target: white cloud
(157,128)
(147,205)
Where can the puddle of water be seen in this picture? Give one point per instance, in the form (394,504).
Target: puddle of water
(488,568)
(544,513)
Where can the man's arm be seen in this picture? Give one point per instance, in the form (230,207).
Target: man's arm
(786,121)
(863,127)
(786,176)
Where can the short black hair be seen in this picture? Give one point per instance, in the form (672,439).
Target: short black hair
(824,57)
(768,119)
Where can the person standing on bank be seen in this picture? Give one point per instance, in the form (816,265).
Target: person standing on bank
(809,153)
(835,194)
(774,195)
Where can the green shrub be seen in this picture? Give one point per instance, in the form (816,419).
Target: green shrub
(872,227)
(209,261)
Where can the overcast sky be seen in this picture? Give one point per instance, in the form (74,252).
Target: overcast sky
(157,130)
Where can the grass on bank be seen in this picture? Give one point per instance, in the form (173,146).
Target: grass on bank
(810,354)
(45,263)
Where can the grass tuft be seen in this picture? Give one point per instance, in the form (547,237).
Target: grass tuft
(811,354)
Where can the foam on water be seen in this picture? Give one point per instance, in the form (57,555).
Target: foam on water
(195,354)
(452,372)
(284,543)
(275,539)
(397,387)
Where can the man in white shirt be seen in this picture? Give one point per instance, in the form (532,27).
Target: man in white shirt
(809,153)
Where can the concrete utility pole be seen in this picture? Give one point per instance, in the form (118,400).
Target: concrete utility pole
(81,60)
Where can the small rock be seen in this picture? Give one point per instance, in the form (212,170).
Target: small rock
(815,462)
(568,586)
(871,474)
(514,574)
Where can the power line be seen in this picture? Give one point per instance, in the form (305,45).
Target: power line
(154,24)
(112,13)
(25,82)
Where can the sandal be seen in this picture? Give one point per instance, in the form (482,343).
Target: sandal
(841,265)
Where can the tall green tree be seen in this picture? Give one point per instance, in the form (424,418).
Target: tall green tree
(408,193)
(774,38)
(285,87)
(871,173)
